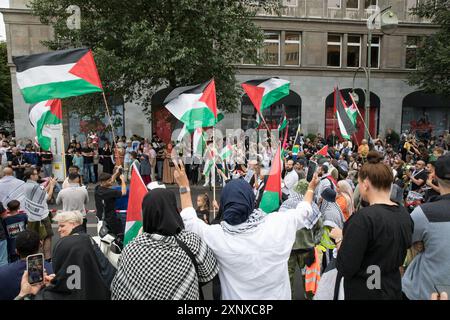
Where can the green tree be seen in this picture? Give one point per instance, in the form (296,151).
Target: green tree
(433,55)
(143,45)
(6,105)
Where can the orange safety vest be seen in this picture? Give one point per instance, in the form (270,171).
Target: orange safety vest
(312,276)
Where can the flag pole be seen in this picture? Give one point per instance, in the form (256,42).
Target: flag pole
(214,175)
(109,117)
(365,126)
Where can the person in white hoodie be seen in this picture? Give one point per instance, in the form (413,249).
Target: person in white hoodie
(252,248)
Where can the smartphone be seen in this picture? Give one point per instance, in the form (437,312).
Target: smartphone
(442,288)
(35,268)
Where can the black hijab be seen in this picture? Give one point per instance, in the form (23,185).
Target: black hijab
(237,202)
(75,250)
(160,213)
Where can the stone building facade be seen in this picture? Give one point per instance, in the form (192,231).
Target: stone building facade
(316,45)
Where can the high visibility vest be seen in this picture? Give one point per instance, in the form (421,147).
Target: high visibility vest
(312,276)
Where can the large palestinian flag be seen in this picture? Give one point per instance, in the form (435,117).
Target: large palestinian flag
(57,74)
(138,190)
(42,115)
(265,92)
(270,200)
(195,106)
(346,125)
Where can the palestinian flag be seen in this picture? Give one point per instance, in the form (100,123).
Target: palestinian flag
(183,132)
(323,152)
(226,152)
(258,119)
(264,93)
(352,111)
(138,190)
(270,200)
(346,126)
(42,115)
(195,106)
(199,142)
(56,75)
(283,123)
(209,163)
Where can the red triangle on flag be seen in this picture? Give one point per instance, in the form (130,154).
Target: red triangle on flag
(209,97)
(274,181)
(86,69)
(138,190)
(255,94)
(55,107)
(323,151)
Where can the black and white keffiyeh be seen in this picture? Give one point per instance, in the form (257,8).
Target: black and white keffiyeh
(254,220)
(155,267)
(292,203)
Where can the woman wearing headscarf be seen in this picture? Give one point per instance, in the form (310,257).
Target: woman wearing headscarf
(77,274)
(154,266)
(251,247)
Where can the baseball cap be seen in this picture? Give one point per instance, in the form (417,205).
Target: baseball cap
(155,185)
(442,166)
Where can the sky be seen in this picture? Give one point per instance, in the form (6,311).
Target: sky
(3,4)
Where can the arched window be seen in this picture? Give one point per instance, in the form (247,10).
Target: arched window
(331,122)
(425,114)
(292,105)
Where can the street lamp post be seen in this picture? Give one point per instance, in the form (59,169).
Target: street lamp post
(387,24)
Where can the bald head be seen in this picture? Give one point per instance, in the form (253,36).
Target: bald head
(7,172)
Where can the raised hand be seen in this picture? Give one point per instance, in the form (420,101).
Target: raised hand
(180,175)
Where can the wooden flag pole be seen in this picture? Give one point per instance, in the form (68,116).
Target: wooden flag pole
(109,117)
(214,174)
(365,126)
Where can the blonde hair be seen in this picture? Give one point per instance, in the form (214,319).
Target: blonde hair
(74,217)
(347,192)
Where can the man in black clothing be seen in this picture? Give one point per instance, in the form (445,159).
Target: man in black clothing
(105,200)
(418,177)
(19,164)
(392,139)
(332,139)
(88,157)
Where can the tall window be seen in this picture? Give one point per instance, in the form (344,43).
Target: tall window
(410,4)
(333,4)
(354,51)
(292,49)
(334,50)
(375,59)
(369,3)
(411,52)
(352,4)
(290,3)
(271,49)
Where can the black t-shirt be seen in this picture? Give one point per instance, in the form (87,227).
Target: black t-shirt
(105,203)
(88,160)
(422,175)
(378,235)
(20,160)
(46,158)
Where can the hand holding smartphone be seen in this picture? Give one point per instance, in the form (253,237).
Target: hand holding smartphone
(35,268)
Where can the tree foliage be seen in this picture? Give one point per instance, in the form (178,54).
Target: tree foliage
(144,45)
(433,55)
(6,106)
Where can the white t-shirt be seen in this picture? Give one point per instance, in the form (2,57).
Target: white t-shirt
(253,264)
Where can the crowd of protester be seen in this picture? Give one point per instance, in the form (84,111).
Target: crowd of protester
(345,217)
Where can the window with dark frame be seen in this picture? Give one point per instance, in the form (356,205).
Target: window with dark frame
(271,49)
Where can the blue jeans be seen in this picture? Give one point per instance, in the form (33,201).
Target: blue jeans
(3,253)
(89,174)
